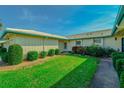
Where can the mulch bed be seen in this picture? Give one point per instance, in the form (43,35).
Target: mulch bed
(6,67)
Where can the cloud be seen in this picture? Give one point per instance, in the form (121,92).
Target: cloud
(26,15)
(29,16)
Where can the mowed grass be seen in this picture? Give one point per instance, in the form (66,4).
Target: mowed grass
(61,71)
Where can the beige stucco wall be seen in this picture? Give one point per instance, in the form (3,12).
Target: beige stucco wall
(29,43)
(112,43)
(101,33)
(84,42)
(101,43)
(51,44)
(61,45)
(87,42)
(105,42)
(71,44)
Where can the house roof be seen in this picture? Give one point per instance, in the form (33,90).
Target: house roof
(95,34)
(102,33)
(31,32)
(119,19)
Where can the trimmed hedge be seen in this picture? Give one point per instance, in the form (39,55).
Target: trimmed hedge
(118,63)
(51,52)
(43,54)
(116,56)
(79,50)
(122,79)
(57,51)
(109,51)
(4,57)
(98,51)
(75,49)
(119,66)
(15,54)
(32,55)
(3,50)
(93,50)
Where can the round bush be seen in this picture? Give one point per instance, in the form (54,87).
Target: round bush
(57,51)
(51,52)
(15,54)
(43,54)
(99,51)
(2,50)
(4,57)
(32,55)
(119,66)
(116,56)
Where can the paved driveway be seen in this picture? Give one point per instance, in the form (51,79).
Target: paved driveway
(106,76)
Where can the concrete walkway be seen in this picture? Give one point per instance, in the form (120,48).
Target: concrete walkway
(106,76)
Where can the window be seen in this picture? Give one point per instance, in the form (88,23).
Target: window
(78,43)
(65,45)
(97,40)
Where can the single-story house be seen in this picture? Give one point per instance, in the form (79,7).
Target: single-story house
(118,28)
(36,40)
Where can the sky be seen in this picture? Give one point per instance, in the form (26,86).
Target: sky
(60,20)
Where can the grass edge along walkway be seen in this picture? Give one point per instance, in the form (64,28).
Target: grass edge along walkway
(81,76)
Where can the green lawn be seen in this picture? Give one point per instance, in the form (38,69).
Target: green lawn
(61,71)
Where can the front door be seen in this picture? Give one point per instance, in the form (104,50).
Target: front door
(65,45)
(62,46)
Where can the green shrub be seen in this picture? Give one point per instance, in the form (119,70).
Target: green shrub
(75,49)
(91,50)
(32,55)
(4,57)
(122,79)
(78,50)
(98,51)
(109,51)
(51,52)
(119,66)
(57,51)
(2,50)
(115,56)
(43,54)
(15,54)
(94,50)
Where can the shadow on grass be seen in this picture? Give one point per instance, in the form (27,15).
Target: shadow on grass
(80,77)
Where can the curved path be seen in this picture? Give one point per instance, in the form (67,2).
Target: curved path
(106,76)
